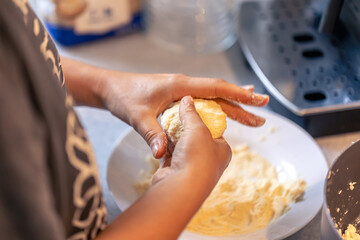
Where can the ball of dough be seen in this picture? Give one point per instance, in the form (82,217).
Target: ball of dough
(210,112)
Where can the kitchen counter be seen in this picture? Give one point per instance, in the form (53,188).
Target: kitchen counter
(134,54)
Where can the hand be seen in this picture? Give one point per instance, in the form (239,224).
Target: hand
(139,99)
(196,153)
(197,163)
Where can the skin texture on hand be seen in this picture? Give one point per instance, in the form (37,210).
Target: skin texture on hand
(138,99)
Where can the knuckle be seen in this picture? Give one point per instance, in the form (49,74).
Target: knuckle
(218,84)
(189,109)
(220,80)
(150,135)
(179,77)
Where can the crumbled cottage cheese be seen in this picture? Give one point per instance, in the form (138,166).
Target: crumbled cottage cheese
(247,197)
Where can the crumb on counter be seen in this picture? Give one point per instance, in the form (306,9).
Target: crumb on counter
(351,185)
(350,233)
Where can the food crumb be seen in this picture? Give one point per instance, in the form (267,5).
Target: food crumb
(340,192)
(350,233)
(338,210)
(351,184)
(262,139)
(273,129)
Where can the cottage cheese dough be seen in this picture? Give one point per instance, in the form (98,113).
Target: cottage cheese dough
(210,112)
(247,197)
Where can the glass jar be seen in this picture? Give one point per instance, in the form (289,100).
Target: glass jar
(190,26)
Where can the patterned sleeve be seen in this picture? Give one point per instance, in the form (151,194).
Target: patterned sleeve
(27,208)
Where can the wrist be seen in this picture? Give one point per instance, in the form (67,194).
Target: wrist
(83,81)
(99,85)
(202,179)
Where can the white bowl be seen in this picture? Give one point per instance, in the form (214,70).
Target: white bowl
(287,146)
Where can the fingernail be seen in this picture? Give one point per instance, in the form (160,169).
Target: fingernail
(188,100)
(259,99)
(260,121)
(155,148)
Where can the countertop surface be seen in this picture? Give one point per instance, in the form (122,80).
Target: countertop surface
(134,53)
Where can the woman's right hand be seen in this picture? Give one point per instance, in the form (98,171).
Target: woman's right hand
(196,154)
(180,186)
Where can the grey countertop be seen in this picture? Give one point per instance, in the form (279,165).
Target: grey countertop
(134,53)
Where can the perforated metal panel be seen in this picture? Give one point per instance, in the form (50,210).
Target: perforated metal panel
(313,79)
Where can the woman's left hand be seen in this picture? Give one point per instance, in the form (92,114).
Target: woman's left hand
(139,99)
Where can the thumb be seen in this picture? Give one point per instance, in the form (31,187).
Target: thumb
(189,118)
(150,130)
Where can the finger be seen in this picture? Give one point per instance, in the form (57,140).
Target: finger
(150,130)
(230,91)
(218,88)
(237,113)
(189,118)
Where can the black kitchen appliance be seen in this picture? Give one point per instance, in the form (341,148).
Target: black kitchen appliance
(307,55)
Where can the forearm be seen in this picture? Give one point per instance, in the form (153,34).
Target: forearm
(84,82)
(163,212)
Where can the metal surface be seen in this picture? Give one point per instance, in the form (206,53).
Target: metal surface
(351,16)
(313,79)
(330,16)
(342,203)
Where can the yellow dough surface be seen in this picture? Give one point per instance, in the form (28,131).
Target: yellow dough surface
(248,196)
(210,112)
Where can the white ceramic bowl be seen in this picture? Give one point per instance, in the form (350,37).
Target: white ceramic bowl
(287,146)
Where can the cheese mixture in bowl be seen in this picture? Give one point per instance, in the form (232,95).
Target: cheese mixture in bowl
(247,197)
